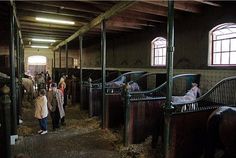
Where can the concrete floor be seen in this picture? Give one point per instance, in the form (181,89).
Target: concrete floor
(80,138)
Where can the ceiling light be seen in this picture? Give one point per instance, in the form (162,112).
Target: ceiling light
(39,47)
(43,40)
(55,21)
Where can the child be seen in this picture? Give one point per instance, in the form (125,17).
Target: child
(41,111)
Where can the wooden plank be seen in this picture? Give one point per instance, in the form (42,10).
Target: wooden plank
(187,6)
(71,5)
(109,13)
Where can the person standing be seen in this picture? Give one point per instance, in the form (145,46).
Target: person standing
(41,111)
(63,87)
(55,105)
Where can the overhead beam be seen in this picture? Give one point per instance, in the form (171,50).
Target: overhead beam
(143,16)
(147,8)
(109,13)
(54,11)
(52,26)
(71,5)
(30,16)
(47,29)
(187,6)
(208,3)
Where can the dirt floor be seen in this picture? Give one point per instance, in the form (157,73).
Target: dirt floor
(82,137)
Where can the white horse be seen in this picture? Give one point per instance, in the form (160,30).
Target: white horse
(28,86)
(190,96)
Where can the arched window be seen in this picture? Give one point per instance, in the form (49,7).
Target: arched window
(222,45)
(158,57)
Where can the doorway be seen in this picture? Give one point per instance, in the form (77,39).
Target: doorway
(36,65)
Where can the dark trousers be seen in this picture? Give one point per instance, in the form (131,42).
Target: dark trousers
(55,118)
(43,123)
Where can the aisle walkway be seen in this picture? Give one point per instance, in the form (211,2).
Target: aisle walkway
(80,138)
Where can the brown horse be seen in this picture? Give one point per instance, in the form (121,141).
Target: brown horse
(221,128)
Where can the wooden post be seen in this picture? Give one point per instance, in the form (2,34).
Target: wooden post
(5,124)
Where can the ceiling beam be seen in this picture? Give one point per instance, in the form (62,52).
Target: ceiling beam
(109,13)
(71,5)
(47,29)
(208,3)
(53,11)
(32,15)
(45,32)
(143,16)
(187,6)
(52,26)
(150,9)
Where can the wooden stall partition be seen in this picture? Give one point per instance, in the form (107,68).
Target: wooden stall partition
(95,101)
(188,134)
(144,118)
(115,110)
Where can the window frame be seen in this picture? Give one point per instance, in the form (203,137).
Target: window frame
(153,52)
(212,52)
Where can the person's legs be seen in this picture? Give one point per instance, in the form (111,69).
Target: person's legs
(57,118)
(53,116)
(44,124)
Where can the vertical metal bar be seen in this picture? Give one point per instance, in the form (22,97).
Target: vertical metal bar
(19,77)
(103,56)
(66,50)
(170,51)
(60,57)
(127,115)
(81,69)
(13,78)
(22,56)
(54,64)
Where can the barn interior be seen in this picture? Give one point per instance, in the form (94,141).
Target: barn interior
(95,42)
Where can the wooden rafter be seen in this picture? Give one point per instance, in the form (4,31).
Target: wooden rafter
(109,13)
(187,6)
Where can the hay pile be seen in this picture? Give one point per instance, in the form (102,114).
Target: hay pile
(143,150)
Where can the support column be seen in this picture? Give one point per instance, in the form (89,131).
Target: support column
(170,51)
(54,65)
(12,72)
(81,69)
(60,57)
(18,49)
(103,62)
(66,50)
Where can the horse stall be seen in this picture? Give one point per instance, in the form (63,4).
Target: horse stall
(92,92)
(188,133)
(114,98)
(86,73)
(95,90)
(143,110)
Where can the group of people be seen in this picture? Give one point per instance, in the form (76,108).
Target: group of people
(52,101)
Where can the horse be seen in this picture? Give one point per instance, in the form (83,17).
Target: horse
(28,86)
(190,96)
(221,127)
